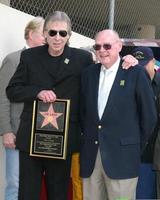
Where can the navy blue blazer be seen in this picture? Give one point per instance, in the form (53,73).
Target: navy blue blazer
(127,122)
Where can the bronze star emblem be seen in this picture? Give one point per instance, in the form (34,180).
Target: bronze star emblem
(50,116)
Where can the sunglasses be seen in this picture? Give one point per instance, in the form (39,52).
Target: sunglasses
(53,33)
(106,46)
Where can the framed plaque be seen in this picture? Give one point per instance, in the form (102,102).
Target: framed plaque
(50,129)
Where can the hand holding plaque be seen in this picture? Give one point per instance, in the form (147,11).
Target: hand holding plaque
(50,129)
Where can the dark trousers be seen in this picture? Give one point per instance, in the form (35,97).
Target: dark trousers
(57,173)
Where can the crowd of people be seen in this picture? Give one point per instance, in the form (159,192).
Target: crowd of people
(113,139)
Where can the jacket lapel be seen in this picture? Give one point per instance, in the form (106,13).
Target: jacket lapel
(65,66)
(95,86)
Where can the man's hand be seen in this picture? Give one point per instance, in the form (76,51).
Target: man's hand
(129,61)
(47,96)
(9,140)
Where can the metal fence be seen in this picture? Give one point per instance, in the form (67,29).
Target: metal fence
(132,18)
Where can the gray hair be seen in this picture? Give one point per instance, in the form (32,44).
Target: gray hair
(33,25)
(58,16)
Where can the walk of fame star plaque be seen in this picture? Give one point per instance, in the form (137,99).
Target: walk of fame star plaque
(50,129)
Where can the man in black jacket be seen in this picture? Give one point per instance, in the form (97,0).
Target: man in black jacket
(48,72)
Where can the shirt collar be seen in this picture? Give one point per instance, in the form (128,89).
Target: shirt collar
(26,46)
(113,68)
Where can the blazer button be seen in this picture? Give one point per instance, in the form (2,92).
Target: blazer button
(96,142)
(99,126)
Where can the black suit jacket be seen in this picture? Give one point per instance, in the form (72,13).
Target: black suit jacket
(127,122)
(35,73)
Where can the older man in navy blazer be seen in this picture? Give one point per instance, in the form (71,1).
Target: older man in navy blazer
(117,117)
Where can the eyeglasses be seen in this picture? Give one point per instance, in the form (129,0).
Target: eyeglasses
(106,46)
(62,33)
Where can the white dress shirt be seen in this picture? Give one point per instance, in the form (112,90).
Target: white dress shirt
(106,79)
